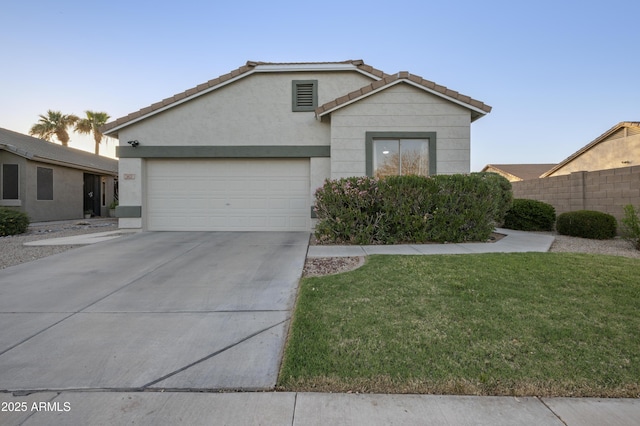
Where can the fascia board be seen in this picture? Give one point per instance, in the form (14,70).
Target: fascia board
(312,67)
(442,95)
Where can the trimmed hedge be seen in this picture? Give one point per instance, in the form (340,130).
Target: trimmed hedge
(530,215)
(12,222)
(410,209)
(587,224)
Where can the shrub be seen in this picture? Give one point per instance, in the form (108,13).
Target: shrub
(12,222)
(530,215)
(631,225)
(401,209)
(505,200)
(348,210)
(587,224)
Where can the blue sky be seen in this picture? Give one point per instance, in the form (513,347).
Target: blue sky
(557,73)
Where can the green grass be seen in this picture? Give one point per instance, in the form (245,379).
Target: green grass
(547,324)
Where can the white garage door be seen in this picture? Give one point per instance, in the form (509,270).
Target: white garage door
(228,195)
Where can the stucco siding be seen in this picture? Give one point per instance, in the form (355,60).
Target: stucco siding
(401,108)
(68,195)
(609,154)
(256,110)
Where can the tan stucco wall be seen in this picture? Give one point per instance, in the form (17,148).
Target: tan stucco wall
(256,110)
(401,108)
(608,154)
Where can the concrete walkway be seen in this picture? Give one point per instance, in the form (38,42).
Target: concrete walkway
(297,409)
(514,241)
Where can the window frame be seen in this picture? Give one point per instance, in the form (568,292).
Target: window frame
(2,176)
(370,137)
(41,191)
(295,107)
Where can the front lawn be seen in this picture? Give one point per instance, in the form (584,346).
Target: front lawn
(545,324)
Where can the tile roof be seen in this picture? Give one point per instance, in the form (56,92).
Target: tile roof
(521,171)
(404,76)
(48,152)
(245,70)
(623,124)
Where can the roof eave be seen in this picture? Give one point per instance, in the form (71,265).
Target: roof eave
(255,67)
(587,147)
(113,132)
(476,112)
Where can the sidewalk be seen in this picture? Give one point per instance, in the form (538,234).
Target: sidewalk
(514,241)
(286,408)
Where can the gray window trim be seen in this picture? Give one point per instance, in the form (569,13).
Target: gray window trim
(370,136)
(294,95)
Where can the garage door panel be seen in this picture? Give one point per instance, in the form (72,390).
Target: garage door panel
(228,195)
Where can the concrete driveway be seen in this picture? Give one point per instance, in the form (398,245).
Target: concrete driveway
(155,310)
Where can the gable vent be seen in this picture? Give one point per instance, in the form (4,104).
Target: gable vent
(305,95)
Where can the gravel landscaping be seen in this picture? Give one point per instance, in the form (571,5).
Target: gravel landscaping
(13,252)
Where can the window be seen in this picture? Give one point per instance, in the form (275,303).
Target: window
(10,182)
(400,153)
(44,183)
(305,95)
(396,157)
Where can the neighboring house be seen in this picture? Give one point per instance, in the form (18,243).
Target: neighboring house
(617,147)
(247,150)
(518,172)
(52,182)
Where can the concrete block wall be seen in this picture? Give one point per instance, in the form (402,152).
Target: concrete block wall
(607,191)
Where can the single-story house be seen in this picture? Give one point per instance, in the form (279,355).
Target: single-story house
(248,149)
(617,147)
(52,182)
(518,172)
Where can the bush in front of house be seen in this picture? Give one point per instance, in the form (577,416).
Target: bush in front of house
(408,209)
(12,222)
(530,215)
(631,225)
(505,200)
(587,224)
(348,210)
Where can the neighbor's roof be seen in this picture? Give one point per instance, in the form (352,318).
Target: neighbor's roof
(249,68)
(382,81)
(478,108)
(47,152)
(634,125)
(520,171)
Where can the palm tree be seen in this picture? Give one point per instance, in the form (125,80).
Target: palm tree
(54,123)
(92,124)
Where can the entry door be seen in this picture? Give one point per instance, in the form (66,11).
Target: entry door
(92,193)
